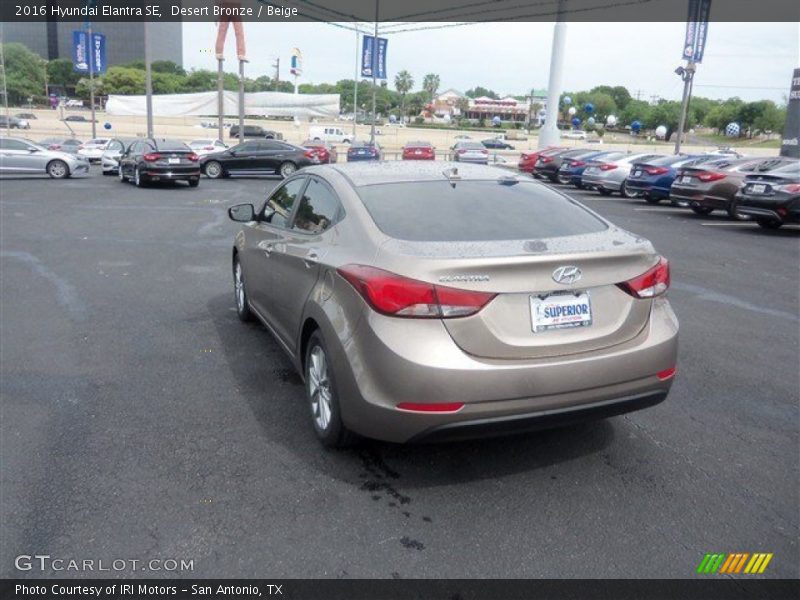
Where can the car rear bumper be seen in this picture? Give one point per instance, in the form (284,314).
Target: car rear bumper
(387,365)
(645,187)
(779,210)
(598,181)
(172,174)
(697,198)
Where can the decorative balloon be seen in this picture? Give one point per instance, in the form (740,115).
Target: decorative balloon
(611,120)
(567,100)
(589,108)
(107,125)
(572,110)
(636,126)
(733,130)
(496,121)
(661,132)
(576,122)
(590,121)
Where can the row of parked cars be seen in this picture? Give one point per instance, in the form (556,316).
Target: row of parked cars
(766,189)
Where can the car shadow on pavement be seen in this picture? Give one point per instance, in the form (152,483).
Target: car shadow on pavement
(266,379)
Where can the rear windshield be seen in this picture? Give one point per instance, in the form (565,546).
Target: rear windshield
(172,145)
(663,161)
(436,211)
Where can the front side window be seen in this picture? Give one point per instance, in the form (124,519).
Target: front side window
(318,209)
(281,202)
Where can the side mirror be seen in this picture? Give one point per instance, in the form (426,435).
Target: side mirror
(33,150)
(242,213)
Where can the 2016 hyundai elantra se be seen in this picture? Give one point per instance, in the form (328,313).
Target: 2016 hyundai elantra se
(445,301)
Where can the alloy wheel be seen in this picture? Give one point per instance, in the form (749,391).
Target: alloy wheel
(319,390)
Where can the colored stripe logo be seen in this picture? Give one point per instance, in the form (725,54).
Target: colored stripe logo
(735,563)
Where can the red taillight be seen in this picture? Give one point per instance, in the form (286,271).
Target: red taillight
(655,170)
(461,151)
(789,188)
(208,148)
(650,284)
(193,157)
(545,159)
(577,163)
(54,147)
(151,156)
(607,167)
(310,153)
(667,373)
(399,296)
(439,407)
(524,156)
(484,152)
(707,176)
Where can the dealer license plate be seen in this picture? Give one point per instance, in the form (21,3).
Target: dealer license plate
(758,189)
(636,173)
(560,311)
(174,161)
(686,179)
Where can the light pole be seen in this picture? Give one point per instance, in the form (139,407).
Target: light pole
(148,80)
(374,73)
(355,90)
(687,75)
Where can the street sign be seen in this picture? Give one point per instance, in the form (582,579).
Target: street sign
(370,59)
(296,66)
(790,143)
(694,44)
(85,52)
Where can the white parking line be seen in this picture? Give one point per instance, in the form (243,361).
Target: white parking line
(664,210)
(731,224)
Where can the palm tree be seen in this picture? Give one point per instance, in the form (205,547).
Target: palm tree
(431,84)
(403,82)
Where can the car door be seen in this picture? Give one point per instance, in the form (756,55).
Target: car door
(260,246)
(127,160)
(298,252)
(273,154)
(18,157)
(242,157)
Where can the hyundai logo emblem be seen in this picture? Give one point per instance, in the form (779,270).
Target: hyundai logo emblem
(566,275)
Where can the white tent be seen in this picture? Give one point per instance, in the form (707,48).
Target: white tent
(272,104)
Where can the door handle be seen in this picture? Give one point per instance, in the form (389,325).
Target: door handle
(267,247)
(311,259)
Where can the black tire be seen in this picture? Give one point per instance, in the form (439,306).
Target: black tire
(139,180)
(732,214)
(194,182)
(331,430)
(702,210)
(623,189)
(240,292)
(287,169)
(769,223)
(57,169)
(213,169)
(345,141)
(562,179)
(604,192)
(651,199)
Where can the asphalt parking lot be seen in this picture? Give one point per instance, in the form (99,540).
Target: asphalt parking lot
(141,419)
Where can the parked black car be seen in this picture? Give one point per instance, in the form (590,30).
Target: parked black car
(496,144)
(773,198)
(256,131)
(150,160)
(258,157)
(548,165)
(78,119)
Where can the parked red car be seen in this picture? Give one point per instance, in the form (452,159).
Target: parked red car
(419,151)
(528,159)
(326,152)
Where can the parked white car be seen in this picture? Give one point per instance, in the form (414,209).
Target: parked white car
(93,149)
(205,146)
(329,134)
(575,134)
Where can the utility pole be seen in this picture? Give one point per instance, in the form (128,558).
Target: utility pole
(91,79)
(3,67)
(530,110)
(148,79)
(654,99)
(374,73)
(549,134)
(687,74)
(355,91)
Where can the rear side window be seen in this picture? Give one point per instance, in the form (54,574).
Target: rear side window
(318,209)
(472,211)
(282,201)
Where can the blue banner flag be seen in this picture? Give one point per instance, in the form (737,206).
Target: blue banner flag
(88,54)
(694,44)
(372,58)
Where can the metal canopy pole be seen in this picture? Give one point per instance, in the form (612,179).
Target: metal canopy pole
(355,90)
(91,80)
(241,101)
(687,75)
(148,79)
(374,73)
(549,134)
(220,98)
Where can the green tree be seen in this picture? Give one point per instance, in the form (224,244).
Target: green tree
(166,66)
(636,110)
(771,119)
(123,80)
(480,91)
(618,93)
(667,113)
(25,73)
(404,83)
(61,73)
(431,84)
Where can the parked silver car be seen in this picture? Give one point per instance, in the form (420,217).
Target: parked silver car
(471,152)
(610,176)
(93,149)
(438,301)
(115,147)
(19,155)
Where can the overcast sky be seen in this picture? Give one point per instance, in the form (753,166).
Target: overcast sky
(749,60)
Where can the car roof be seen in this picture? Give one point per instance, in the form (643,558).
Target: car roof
(373,173)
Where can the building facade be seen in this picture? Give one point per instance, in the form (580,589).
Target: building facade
(451,104)
(124,41)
